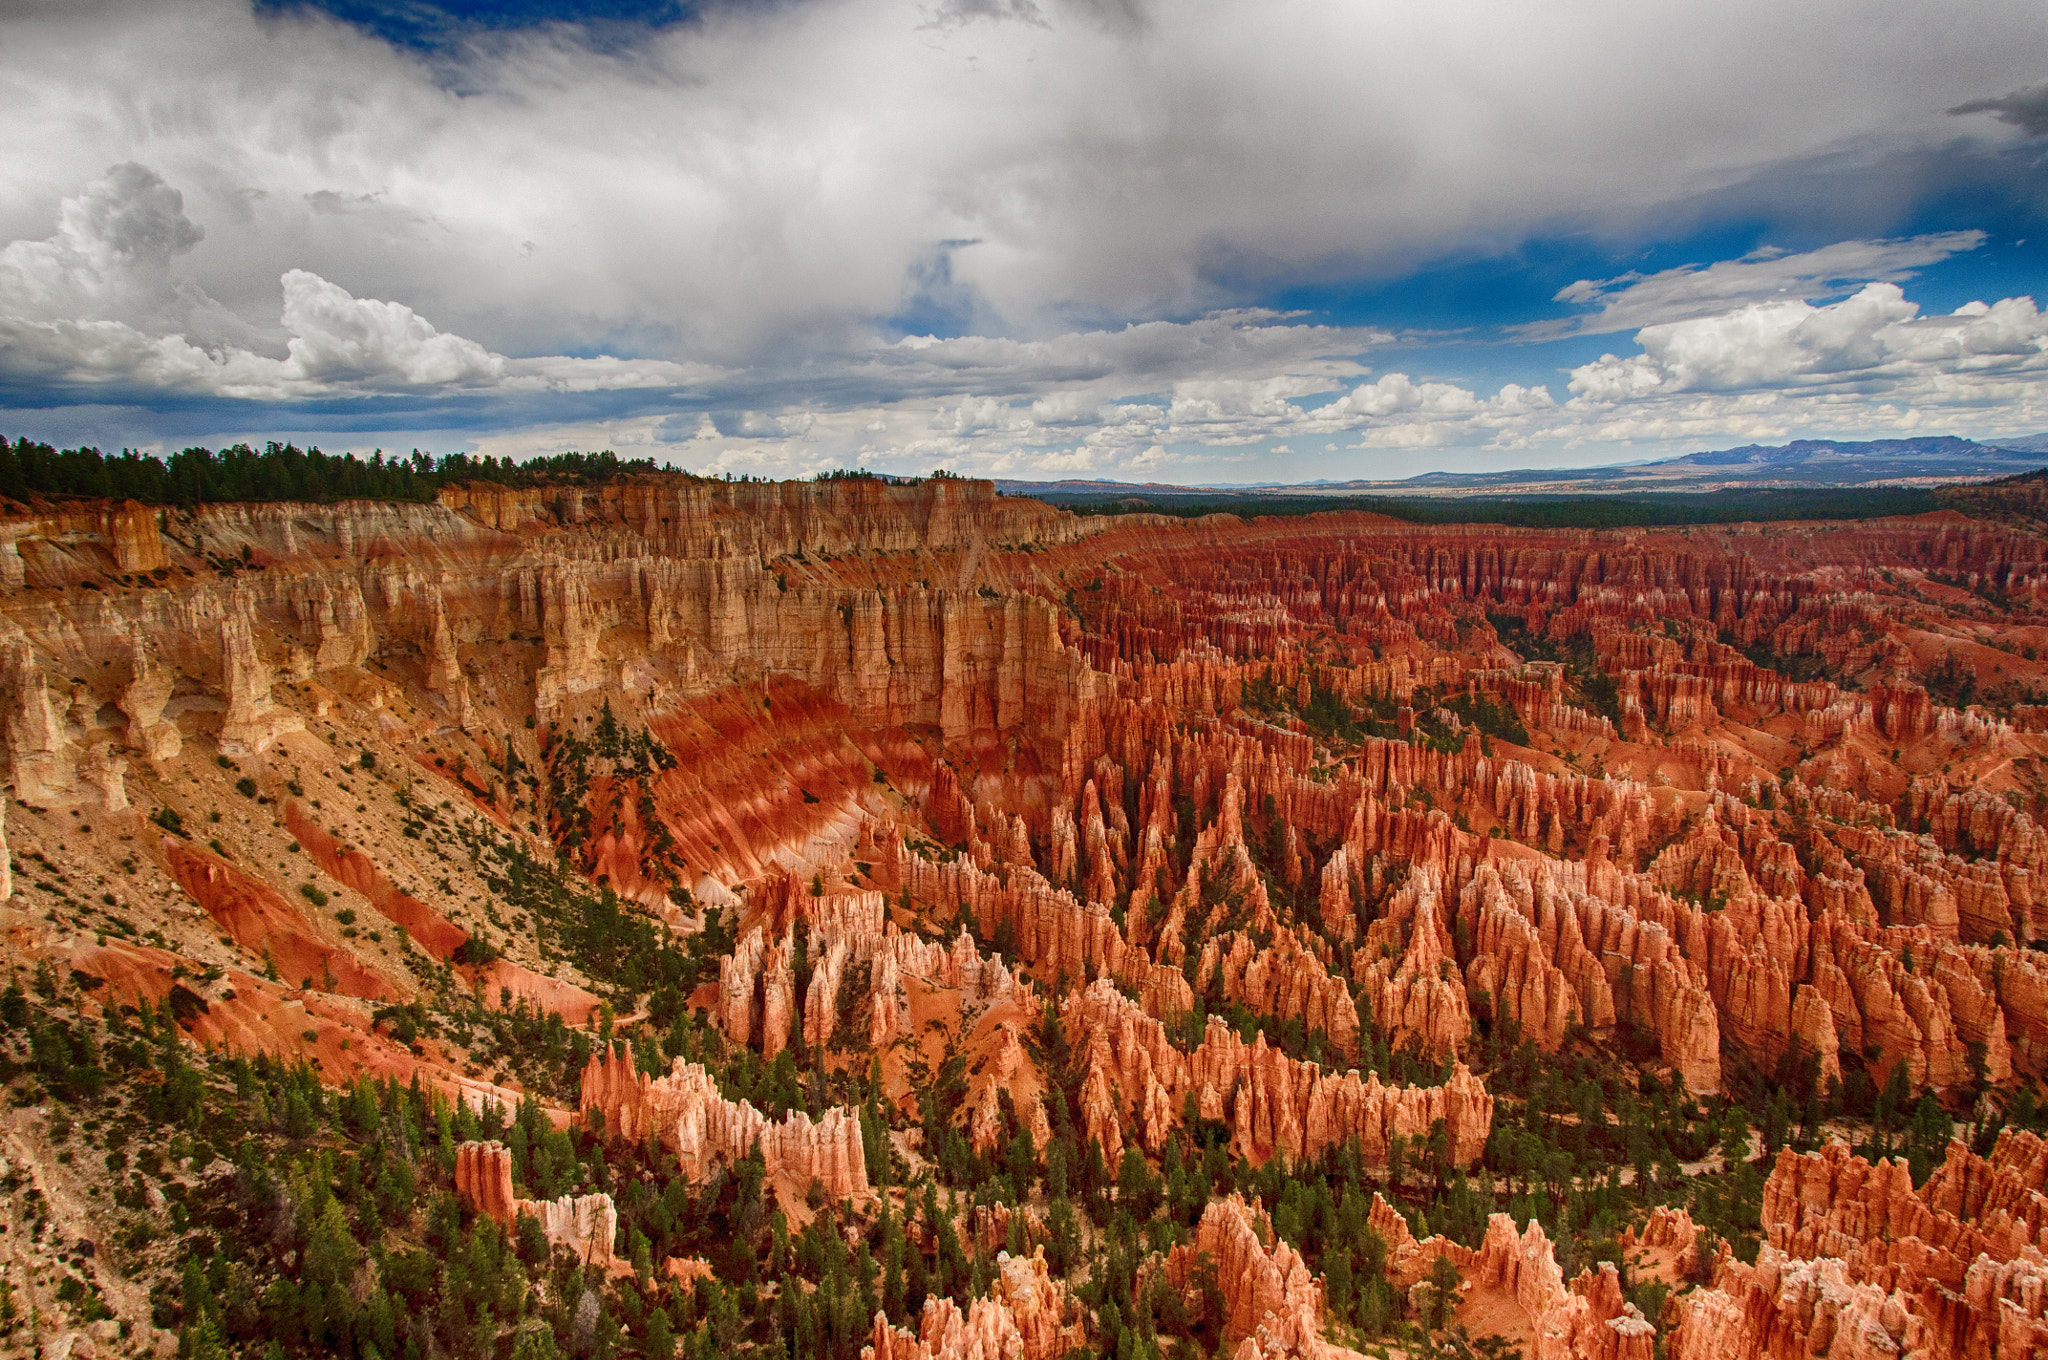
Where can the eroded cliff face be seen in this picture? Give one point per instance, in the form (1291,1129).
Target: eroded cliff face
(1266,1292)
(1027,1315)
(1274,1105)
(686,1114)
(1146,831)
(1589,1320)
(1860,1263)
(583,1225)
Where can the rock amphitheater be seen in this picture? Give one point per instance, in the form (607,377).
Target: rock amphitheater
(1272,846)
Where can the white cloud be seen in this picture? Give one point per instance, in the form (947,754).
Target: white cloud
(98,304)
(1872,344)
(109,264)
(112,249)
(1635,300)
(1068,407)
(765,181)
(728,214)
(975,415)
(339,339)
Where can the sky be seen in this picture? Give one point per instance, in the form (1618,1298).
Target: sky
(1145,240)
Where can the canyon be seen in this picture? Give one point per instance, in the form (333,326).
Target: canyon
(944,830)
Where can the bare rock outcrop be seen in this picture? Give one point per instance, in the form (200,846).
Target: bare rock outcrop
(254,720)
(1590,1320)
(686,1112)
(143,700)
(1417,994)
(1272,1103)
(264,922)
(1860,1261)
(1027,1316)
(1269,1296)
(586,1225)
(42,765)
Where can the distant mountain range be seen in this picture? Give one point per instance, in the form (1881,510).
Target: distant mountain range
(1804,463)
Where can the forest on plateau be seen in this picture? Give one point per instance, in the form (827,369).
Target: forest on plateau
(279,472)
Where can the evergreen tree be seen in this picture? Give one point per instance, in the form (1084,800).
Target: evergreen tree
(660,1343)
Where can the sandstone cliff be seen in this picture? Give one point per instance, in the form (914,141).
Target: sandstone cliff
(585,1225)
(687,1114)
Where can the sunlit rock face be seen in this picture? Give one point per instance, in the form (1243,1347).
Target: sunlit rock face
(584,1225)
(1265,835)
(1860,1260)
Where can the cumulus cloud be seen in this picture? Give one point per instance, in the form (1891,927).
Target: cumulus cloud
(973,415)
(110,261)
(97,304)
(101,305)
(121,232)
(1068,407)
(339,339)
(723,238)
(1635,300)
(733,190)
(1873,343)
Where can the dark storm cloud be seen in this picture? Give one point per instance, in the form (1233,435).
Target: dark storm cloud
(2026,109)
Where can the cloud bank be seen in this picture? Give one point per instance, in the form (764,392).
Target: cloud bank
(1691,291)
(1016,233)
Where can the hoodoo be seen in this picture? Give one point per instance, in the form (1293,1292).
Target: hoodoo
(630,912)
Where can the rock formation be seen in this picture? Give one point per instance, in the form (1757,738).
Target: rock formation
(585,1225)
(1860,1261)
(687,1114)
(1590,1320)
(933,759)
(1028,1315)
(1268,1294)
(253,719)
(38,751)
(1272,1103)
(1418,997)
(143,700)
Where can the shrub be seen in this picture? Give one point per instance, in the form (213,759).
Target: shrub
(475,952)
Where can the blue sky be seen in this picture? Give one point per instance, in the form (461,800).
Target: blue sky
(1197,241)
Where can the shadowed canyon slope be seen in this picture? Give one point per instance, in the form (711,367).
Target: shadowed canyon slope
(857,917)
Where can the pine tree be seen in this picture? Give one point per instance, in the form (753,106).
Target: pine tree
(1063,1234)
(1337,1279)
(331,1251)
(660,1343)
(893,1247)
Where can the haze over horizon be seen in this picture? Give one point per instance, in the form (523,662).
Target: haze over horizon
(1030,239)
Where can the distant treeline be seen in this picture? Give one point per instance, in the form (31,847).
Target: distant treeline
(1555,512)
(2022,499)
(280,472)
